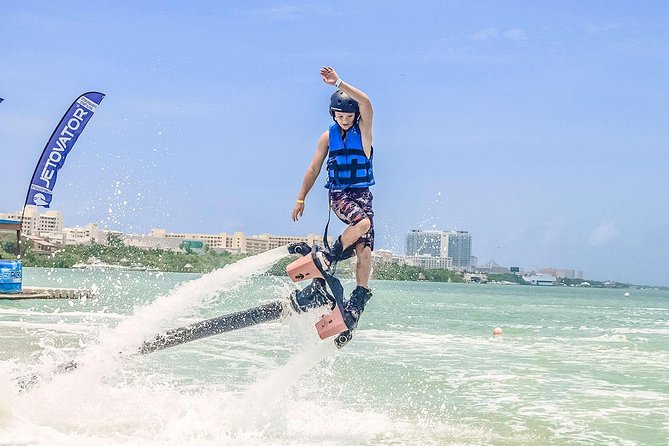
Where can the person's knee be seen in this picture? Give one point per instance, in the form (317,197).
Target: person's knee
(364,225)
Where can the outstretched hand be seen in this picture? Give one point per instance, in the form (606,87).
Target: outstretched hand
(329,75)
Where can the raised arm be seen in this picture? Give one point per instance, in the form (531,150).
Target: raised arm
(330,77)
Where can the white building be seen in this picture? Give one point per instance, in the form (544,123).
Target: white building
(426,243)
(541,279)
(90,233)
(562,273)
(237,242)
(48,224)
(383,255)
(427,262)
(456,245)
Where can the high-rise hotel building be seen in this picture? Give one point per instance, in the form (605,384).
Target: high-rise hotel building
(457,245)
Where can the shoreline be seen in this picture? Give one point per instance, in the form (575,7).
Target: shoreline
(102,267)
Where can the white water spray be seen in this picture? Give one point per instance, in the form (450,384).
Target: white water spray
(95,403)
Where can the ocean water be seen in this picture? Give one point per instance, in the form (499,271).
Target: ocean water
(574,365)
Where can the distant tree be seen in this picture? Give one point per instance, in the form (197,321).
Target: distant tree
(279,268)
(114,240)
(393,271)
(443,275)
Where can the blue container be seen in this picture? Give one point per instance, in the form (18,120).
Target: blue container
(11,276)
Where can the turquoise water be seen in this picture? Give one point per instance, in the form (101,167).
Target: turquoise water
(574,366)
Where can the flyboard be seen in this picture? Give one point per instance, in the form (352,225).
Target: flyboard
(325,292)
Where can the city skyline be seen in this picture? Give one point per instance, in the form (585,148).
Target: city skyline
(539,129)
(457,245)
(50,222)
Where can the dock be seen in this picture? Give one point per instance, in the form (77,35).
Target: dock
(33,292)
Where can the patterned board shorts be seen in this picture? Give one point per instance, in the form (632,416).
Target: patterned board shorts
(353,205)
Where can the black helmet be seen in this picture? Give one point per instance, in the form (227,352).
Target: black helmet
(340,101)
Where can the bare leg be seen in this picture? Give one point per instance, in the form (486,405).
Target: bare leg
(363,268)
(352,233)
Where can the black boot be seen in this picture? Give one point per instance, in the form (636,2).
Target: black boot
(337,253)
(356,305)
(300,248)
(312,296)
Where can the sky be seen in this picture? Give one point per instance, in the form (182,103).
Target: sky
(540,127)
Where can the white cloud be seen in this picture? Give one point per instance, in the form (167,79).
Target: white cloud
(598,29)
(515,34)
(291,12)
(604,233)
(485,34)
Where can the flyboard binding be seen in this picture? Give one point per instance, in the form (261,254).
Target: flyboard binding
(325,291)
(313,265)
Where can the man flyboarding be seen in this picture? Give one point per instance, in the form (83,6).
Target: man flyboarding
(347,145)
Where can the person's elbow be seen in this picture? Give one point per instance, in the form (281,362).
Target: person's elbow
(365,106)
(364,101)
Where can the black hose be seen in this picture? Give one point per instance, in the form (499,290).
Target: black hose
(210,327)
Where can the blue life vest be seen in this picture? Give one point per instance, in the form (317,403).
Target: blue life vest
(348,166)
